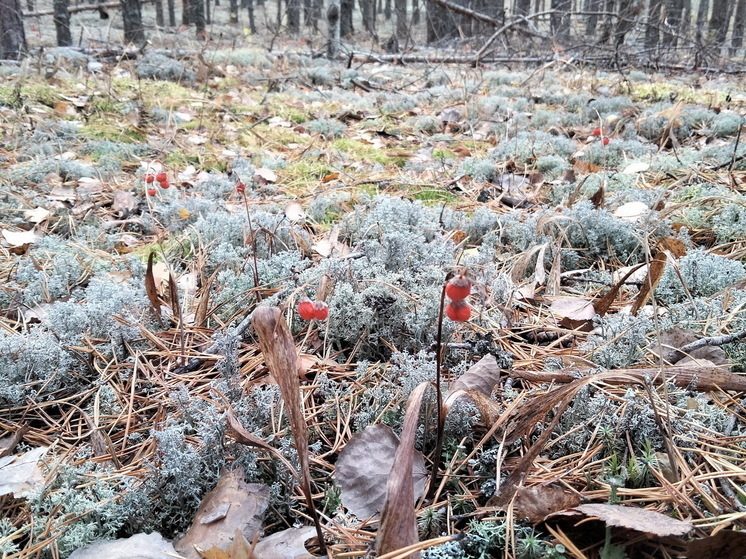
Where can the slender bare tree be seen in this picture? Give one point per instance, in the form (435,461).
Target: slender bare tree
(12,35)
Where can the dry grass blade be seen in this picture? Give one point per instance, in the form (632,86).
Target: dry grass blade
(150,288)
(398,518)
(655,273)
(277,347)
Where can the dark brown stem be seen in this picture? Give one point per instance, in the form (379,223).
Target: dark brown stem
(438,395)
(252,240)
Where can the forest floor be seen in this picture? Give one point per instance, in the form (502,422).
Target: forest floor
(594,401)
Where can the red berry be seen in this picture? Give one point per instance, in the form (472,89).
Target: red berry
(151,191)
(306,309)
(458,288)
(164,184)
(458,311)
(320,310)
(605,141)
(597,132)
(240,188)
(149,178)
(161,177)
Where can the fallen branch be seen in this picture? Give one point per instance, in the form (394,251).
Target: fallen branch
(697,378)
(713,340)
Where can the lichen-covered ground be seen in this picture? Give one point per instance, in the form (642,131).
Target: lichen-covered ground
(364,187)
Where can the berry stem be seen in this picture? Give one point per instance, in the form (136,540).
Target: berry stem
(252,240)
(438,395)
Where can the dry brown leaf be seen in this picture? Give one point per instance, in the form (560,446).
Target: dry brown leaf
(398,527)
(151,289)
(37,215)
(123,202)
(655,273)
(726,544)
(363,468)
(279,352)
(536,503)
(294,211)
(634,518)
(139,546)
(481,377)
(675,338)
(489,409)
(330,177)
(17,239)
(267,174)
(232,507)
(20,474)
(288,544)
(573,312)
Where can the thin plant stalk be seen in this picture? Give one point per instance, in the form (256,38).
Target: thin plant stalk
(252,240)
(438,393)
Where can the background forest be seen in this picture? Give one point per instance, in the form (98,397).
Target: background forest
(399,280)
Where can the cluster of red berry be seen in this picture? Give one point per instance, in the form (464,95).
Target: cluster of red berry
(308,310)
(240,187)
(604,139)
(457,290)
(161,178)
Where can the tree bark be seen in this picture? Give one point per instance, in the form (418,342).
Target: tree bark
(345,17)
(738,26)
(522,7)
(368,12)
(233,11)
(332,26)
(62,23)
(159,21)
(197,15)
(560,21)
(400,6)
(186,12)
(293,12)
(250,9)
(12,34)
(652,31)
(132,20)
(171,13)
(720,20)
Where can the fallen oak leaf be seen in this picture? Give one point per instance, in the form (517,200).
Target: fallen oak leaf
(639,519)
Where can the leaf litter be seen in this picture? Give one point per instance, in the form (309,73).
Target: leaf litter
(517,459)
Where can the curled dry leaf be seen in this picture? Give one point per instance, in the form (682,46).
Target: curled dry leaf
(482,376)
(398,519)
(37,215)
(363,469)
(234,506)
(278,348)
(642,520)
(536,503)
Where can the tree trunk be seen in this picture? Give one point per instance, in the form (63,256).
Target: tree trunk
(522,7)
(387,10)
(345,17)
(197,15)
(720,20)
(652,31)
(368,12)
(416,12)
(207,12)
(702,11)
(673,22)
(738,25)
(233,11)
(132,20)
(627,16)
(332,27)
(62,23)
(592,20)
(400,6)
(608,22)
(560,20)
(439,23)
(293,11)
(12,34)
(186,12)
(159,21)
(171,13)
(250,9)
